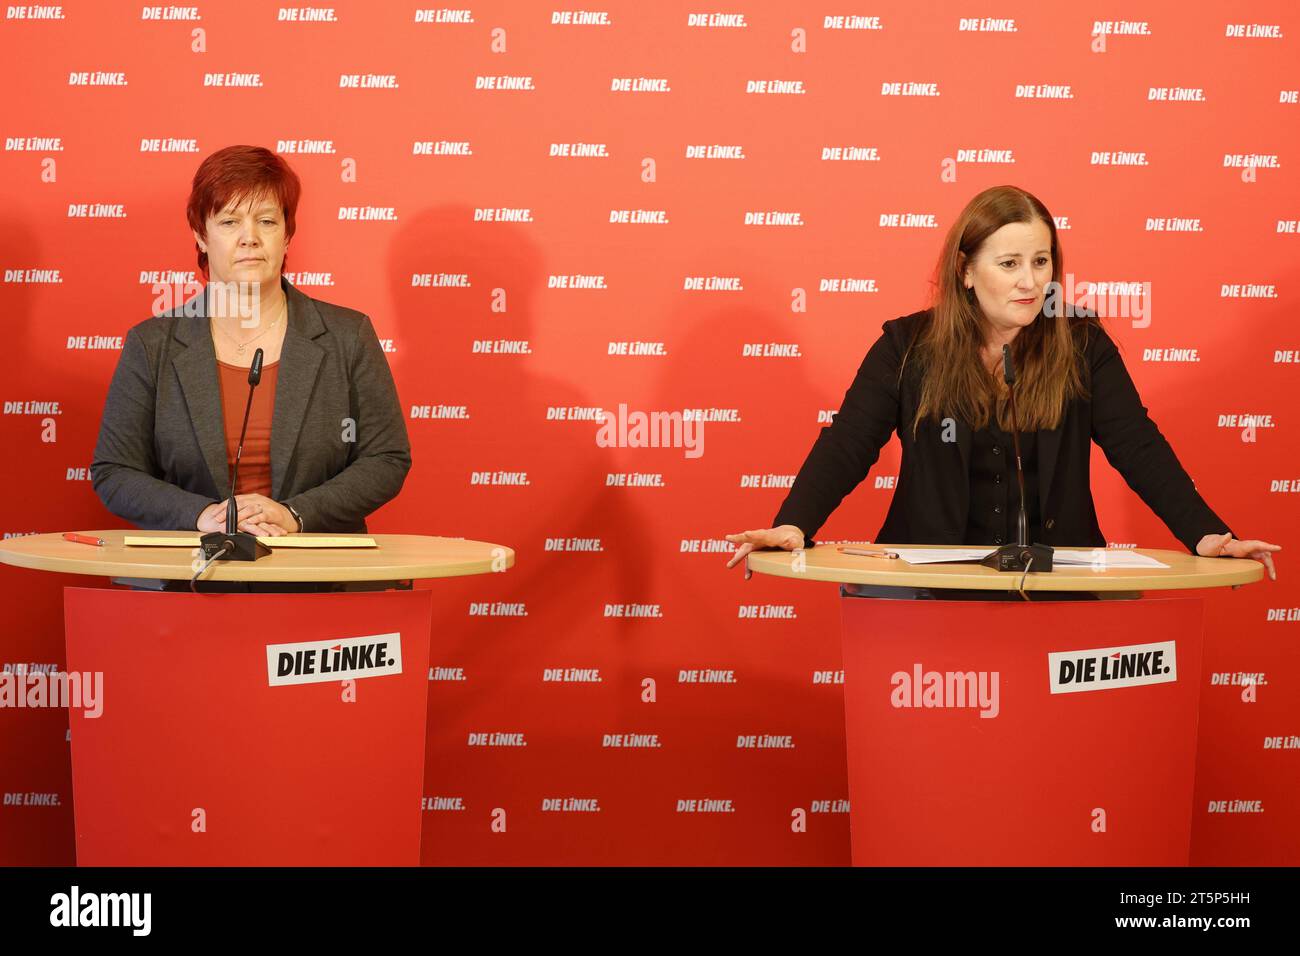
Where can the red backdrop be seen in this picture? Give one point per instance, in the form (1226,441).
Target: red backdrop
(1203,99)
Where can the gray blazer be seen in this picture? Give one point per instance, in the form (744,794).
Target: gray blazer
(161,455)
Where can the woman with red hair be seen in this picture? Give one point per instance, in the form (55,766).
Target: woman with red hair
(936,378)
(326,441)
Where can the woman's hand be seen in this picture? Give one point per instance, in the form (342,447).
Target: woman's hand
(250,517)
(787,536)
(271,513)
(1226,546)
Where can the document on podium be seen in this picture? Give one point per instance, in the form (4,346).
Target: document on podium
(279,541)
(1061,557)
(1104,557)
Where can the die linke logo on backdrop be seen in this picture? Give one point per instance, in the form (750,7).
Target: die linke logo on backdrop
(316,662)
(1111,667)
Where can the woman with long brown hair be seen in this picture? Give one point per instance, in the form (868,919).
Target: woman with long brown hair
(936,378)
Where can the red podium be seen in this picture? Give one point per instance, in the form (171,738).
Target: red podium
(965,748)
(1039,732)
(274,728)
(201,757)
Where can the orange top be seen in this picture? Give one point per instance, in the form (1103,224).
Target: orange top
(255,463)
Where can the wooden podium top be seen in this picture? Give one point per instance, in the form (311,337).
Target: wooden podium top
(825,563)
(398,557)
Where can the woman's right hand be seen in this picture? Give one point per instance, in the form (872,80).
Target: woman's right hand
(213,518)
(787,536)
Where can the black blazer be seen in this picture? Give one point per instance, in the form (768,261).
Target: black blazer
(161,454)
(933,491)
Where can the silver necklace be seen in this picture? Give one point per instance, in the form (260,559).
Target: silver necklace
(241,346)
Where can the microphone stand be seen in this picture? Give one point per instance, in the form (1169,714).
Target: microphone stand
(232,544)
(1021,555)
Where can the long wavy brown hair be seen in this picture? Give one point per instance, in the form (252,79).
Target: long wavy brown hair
(955,382)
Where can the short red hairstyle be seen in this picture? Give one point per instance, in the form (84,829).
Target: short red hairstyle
(241,172)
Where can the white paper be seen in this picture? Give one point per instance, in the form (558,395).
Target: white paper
(1104,557)
(1062,557)
(940,555)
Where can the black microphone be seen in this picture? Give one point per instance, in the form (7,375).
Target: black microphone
(1009,376)
(233,544)
(254,378)
(1018,556)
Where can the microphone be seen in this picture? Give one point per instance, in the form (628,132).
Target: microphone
(232,544)
(254,379)
(1018,556)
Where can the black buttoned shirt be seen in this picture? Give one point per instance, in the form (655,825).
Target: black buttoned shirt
(994,492)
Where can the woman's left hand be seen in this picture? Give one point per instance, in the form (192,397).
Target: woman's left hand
(273,513)
(1226,546)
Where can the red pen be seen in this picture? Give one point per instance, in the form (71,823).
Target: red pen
(83,539)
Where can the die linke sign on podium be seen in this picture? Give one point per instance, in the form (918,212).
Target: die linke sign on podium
(257,729)
(1054,733)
